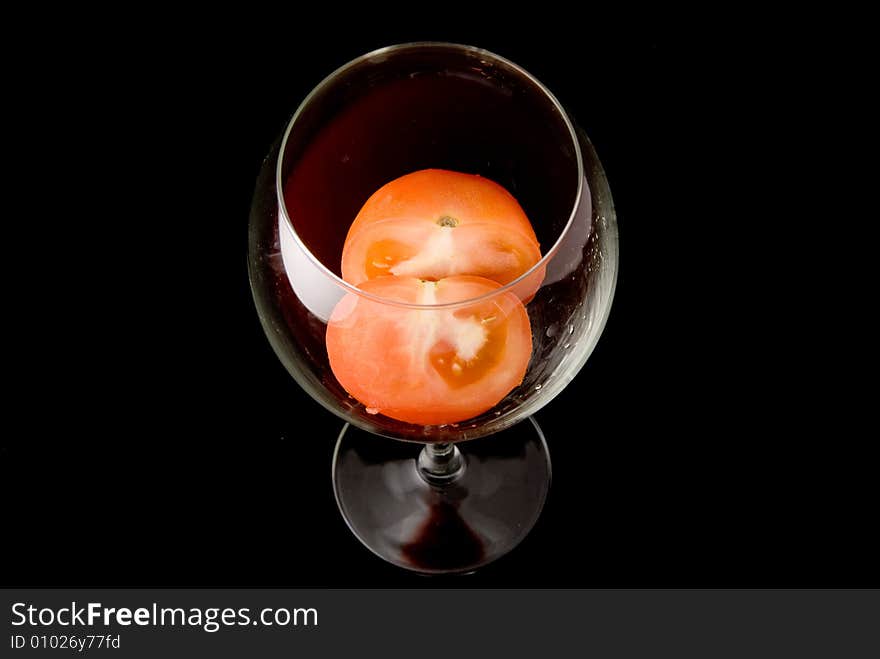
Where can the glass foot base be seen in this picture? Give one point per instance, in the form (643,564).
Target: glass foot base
(455,525)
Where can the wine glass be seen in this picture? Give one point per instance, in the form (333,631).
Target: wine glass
(441,505)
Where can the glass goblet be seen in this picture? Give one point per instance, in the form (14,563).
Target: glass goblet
(442,506)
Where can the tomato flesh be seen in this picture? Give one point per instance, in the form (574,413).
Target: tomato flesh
(435,223)
(429,366)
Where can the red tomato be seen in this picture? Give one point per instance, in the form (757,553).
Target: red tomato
(429,366)
(435,223)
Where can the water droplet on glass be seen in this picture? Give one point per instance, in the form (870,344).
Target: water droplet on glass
(552,329)
(372,410)
(570,329)
(538,387)
(566,346)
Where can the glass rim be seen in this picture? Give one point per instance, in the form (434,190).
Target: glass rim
(351,288)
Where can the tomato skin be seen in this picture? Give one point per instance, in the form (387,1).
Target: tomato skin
(435,223)
(429,366)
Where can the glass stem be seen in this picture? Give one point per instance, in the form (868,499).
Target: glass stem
(440,463)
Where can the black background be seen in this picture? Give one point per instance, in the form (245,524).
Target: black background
(165,444)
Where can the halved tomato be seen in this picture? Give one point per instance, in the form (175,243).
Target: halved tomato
(429,366)
(435,223)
